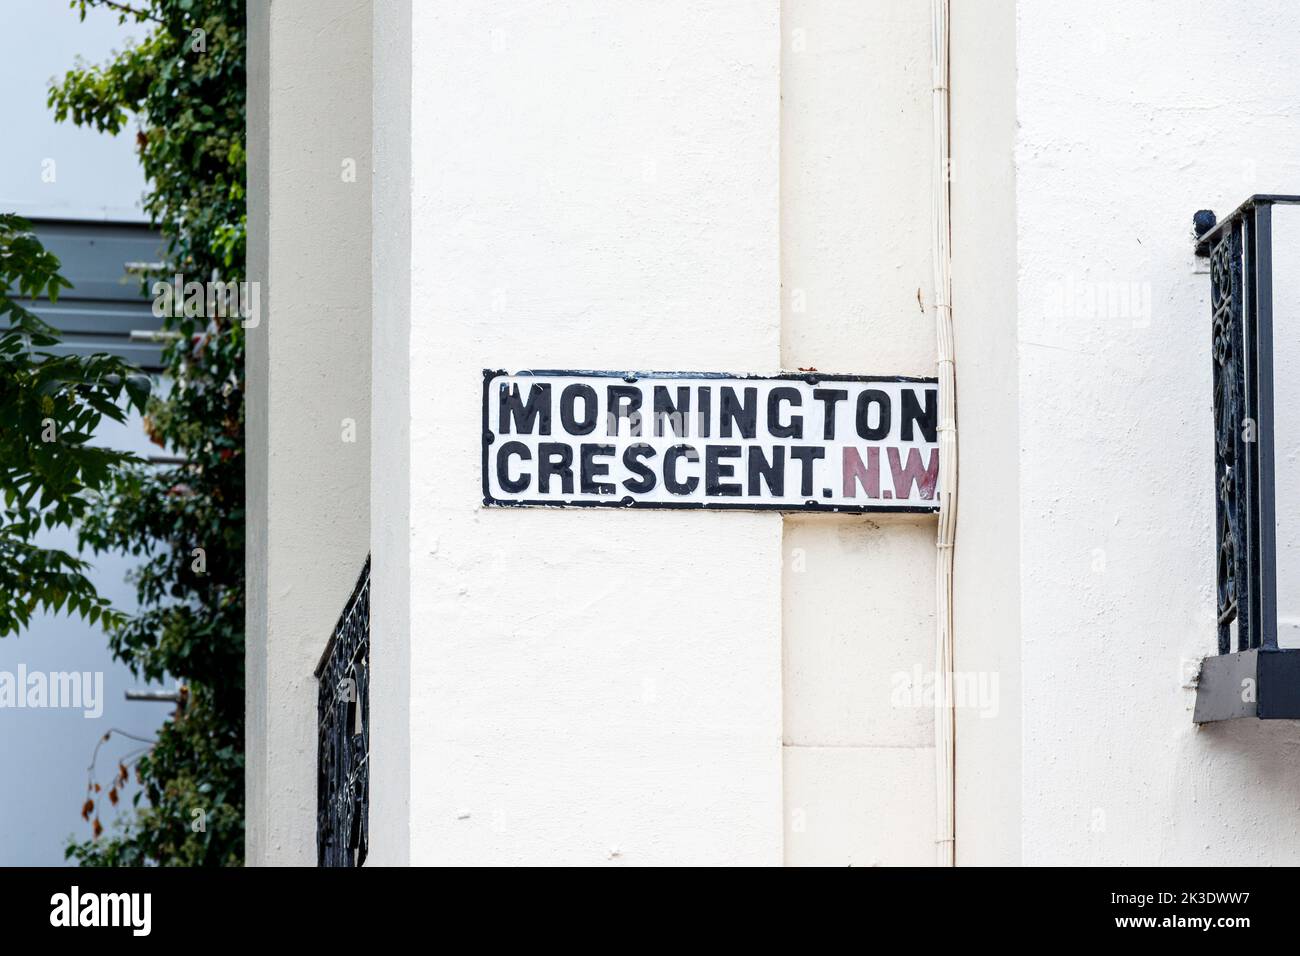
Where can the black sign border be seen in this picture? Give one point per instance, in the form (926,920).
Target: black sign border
(629,503)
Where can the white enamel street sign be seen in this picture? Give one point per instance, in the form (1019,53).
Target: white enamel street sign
(799,442)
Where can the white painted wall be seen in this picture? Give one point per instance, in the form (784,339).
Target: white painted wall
(615,186)
(1131,117)
(592,185)
(858,594)
(618,185)
(308,373)
(390,452)
(986,578)
(855,187)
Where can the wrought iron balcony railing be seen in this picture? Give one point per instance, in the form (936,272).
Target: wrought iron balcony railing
(1250,676)
(343,727)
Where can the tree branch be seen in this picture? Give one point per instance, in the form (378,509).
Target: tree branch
(124,9)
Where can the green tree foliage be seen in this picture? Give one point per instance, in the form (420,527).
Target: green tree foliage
(182,86)
(50,406)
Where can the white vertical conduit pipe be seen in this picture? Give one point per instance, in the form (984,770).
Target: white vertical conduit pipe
(941,223)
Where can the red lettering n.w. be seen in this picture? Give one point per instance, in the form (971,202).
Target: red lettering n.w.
(925,477)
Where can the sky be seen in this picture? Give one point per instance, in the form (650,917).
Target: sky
(56,169)
(59,171)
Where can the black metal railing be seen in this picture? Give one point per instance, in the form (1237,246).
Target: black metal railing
(1235,458)
(1241,307)
(343,728)
(1249,676)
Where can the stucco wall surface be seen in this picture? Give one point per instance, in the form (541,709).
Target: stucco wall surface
(592,185)
(1131,117)
(308,421)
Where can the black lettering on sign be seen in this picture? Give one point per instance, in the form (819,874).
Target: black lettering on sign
(634,458)
(743,414)
(624,402)
(792,398)
(829,397)
(805,442)
(762,471)
(592,469)
(568,402)
(806,455)
(927,417)
(873,399)
(554,459)
(676,413)
(671,481)
(520,450)
(715,471)
(525,414)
